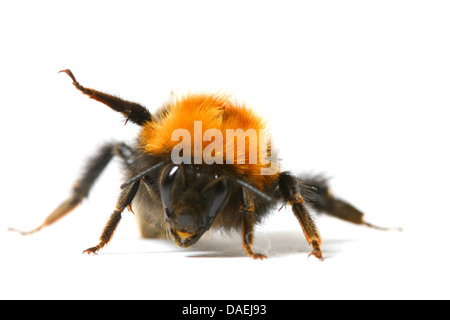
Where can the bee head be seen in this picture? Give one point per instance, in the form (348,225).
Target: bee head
(192,196)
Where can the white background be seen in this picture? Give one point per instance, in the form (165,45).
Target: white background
(358,90)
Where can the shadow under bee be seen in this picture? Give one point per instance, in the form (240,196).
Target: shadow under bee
(273,244)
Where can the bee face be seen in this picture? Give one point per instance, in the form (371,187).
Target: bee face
(192,199)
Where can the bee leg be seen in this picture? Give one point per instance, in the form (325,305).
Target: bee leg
(247,212)
(323,200)
(125,153)
(290,193)
(81,188)
(147,228)
(247,236)
(131,110)
(125,199)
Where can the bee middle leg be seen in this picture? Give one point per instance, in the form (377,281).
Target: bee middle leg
(324,201)
(81,188)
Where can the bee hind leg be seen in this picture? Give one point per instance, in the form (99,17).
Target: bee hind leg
(131,110)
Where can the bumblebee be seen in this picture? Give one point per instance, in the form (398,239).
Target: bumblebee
(189,197)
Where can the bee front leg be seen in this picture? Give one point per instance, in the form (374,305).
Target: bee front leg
(247,212)
(290,193)
(125,199)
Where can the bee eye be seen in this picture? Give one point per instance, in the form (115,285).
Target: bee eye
(167,181)
(221,191)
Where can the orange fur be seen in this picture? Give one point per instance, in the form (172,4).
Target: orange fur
(215,111)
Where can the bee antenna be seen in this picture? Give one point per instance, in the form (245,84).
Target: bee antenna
(183,175)
(212,183)
(252,188)
(142,174)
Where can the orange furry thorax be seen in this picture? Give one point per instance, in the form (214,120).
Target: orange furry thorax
(212,111)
